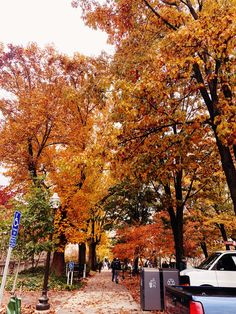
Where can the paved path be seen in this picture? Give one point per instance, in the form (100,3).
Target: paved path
(101,296)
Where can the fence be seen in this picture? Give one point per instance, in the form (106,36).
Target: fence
(23,266)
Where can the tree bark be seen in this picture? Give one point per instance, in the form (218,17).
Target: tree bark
(224,234)
(82,253)
(228,168)
(225,154)
(176,216)
(204,248)
(92,255)
(177,229)
(58,264)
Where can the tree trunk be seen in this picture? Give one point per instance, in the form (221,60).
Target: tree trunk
(177,229)
(82,253)
(228,168)
(224,234)
(92,254)
(225,154)
(58,264)
(176,219)
(204,248)
(135,266)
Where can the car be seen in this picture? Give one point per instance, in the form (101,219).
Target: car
(218,270)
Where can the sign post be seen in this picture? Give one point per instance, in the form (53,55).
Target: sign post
(84,272)
(12,244)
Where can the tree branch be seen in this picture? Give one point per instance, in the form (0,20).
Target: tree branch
(170,3)
(191,9)
(203,90)
(160,17)
(200,5)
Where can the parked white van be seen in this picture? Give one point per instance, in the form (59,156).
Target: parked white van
(218,270)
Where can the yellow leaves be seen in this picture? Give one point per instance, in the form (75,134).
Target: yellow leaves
(74,235)
(223,218)
(226,128)
(212,32)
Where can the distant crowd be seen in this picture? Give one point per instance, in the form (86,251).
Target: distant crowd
(133,267)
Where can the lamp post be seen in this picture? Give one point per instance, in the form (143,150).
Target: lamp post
(43,304)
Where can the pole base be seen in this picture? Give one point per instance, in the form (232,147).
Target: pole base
(43,304)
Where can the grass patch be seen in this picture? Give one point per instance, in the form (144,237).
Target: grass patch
(32,280)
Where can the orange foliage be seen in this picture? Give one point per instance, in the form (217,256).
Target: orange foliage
(144,240)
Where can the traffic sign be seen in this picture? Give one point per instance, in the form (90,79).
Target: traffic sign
(12,244)
(71,266)
(15,229)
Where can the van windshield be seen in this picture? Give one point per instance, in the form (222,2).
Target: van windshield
(206,264)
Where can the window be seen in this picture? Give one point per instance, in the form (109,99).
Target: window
(227,262)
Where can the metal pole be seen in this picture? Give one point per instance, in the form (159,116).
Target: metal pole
(15,280)
(4,277)
(43,304)
(71,279)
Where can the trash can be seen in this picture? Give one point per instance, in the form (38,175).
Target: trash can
(168,277)
(150,294)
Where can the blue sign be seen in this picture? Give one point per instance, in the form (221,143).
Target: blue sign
(71,266)
(15,229)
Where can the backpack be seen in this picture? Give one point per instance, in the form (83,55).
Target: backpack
(117,265)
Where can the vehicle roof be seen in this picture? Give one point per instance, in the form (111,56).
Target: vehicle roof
(226,251)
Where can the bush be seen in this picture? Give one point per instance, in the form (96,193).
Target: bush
(32,280)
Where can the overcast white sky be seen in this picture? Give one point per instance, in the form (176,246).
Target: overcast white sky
(48,22)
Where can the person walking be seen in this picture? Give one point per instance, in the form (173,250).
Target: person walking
(100,265)
(115,267)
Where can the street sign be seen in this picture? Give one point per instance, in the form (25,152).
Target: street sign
(70,273)
(15,229)
(12,244)
(71,266)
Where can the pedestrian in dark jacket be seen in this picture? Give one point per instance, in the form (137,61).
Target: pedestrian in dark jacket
(115,267)
(100,265)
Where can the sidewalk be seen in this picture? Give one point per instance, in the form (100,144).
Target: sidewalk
(100,296)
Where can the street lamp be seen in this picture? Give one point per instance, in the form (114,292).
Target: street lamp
(43,304)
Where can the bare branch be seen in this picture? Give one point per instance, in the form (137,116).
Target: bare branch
(200,5)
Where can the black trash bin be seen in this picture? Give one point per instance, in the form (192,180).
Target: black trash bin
(150,292)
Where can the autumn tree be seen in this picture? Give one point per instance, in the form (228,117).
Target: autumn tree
(36,224)
(190,44)
(49,129)
(80,173)
(32,112)
(171,159)
(145,241)
(6,216)
(173,75)
(129,204)
(214,210)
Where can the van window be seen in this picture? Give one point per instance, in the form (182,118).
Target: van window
(206,264)
(227,262)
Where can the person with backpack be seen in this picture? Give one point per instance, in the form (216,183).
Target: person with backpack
(115,267)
